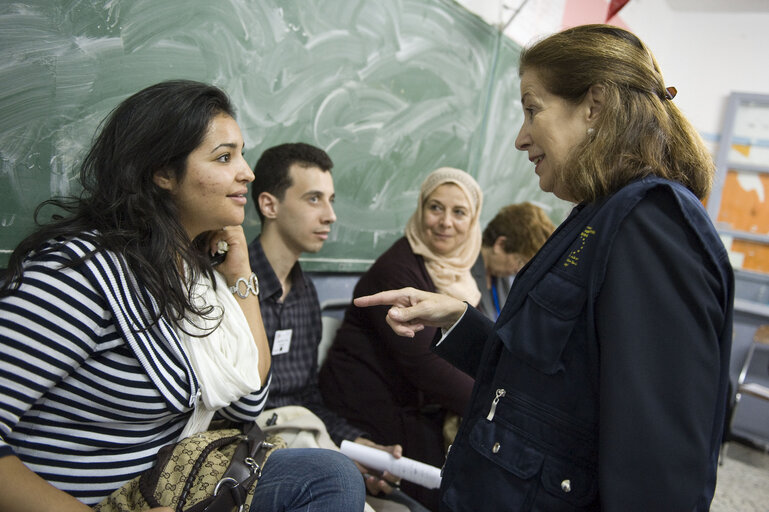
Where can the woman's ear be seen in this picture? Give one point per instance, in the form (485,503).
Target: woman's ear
(596,99)
(268,205)
(164,180)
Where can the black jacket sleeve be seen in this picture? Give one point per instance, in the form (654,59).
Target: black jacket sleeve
(658,320)
(463,346)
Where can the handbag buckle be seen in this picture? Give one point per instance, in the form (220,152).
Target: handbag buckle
(253,466)
(226,480)
(232,483)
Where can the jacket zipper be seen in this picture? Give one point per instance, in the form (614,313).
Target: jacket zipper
(500,393)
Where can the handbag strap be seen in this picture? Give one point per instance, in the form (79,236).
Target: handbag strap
(244,471)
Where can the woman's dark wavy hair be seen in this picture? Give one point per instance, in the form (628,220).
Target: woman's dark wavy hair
(121,209)
(639,130)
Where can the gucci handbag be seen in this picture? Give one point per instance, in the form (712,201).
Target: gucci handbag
(212,471)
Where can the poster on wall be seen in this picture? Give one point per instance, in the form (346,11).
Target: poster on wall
(744,209)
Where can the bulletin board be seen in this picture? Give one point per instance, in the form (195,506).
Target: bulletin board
(739,203)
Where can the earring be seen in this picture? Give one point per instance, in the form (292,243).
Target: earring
(590,131)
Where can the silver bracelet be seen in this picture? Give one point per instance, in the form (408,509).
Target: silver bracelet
(246,285)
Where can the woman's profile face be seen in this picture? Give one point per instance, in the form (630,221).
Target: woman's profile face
(212,194)
(551,128)
(446,218)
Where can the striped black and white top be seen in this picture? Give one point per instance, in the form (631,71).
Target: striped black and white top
(90,390)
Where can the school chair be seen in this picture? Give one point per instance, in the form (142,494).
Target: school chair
(754,377)
(331,316)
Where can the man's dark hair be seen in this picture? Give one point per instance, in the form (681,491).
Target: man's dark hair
(271,172)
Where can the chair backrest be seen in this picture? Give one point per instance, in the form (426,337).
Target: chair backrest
(331,315)
(760,338)
(762,334)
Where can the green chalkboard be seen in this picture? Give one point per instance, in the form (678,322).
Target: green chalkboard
(391,89)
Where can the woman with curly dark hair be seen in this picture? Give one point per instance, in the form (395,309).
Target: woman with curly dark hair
(118,334)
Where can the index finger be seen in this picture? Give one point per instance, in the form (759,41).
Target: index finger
(388,297)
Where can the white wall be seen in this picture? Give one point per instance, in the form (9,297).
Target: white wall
(705,54)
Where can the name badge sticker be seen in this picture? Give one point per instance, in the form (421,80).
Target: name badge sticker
(282,342)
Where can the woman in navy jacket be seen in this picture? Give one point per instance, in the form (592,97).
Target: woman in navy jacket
(603,384)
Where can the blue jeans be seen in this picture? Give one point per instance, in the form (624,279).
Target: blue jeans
(309,479)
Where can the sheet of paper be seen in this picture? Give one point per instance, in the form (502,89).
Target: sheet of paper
(405,468)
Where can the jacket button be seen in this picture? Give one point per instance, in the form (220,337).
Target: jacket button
(495,448)
(566,486)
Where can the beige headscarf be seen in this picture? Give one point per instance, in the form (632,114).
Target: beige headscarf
(450,273)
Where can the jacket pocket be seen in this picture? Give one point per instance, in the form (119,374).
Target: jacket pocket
(538,332)
(516,474)
(564,481)
(496,471)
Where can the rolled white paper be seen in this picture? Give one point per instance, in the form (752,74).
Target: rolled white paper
(405,468)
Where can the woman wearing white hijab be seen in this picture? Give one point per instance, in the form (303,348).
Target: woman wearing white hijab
(395,388)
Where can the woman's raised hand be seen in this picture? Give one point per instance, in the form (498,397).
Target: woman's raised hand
(413,309)
(236,263)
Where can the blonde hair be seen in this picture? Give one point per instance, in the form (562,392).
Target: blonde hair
(638,132)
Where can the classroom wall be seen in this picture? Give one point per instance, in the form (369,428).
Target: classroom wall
(707,49)
(392,89)
(704,50)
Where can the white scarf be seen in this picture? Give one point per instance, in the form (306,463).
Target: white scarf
(225,360)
